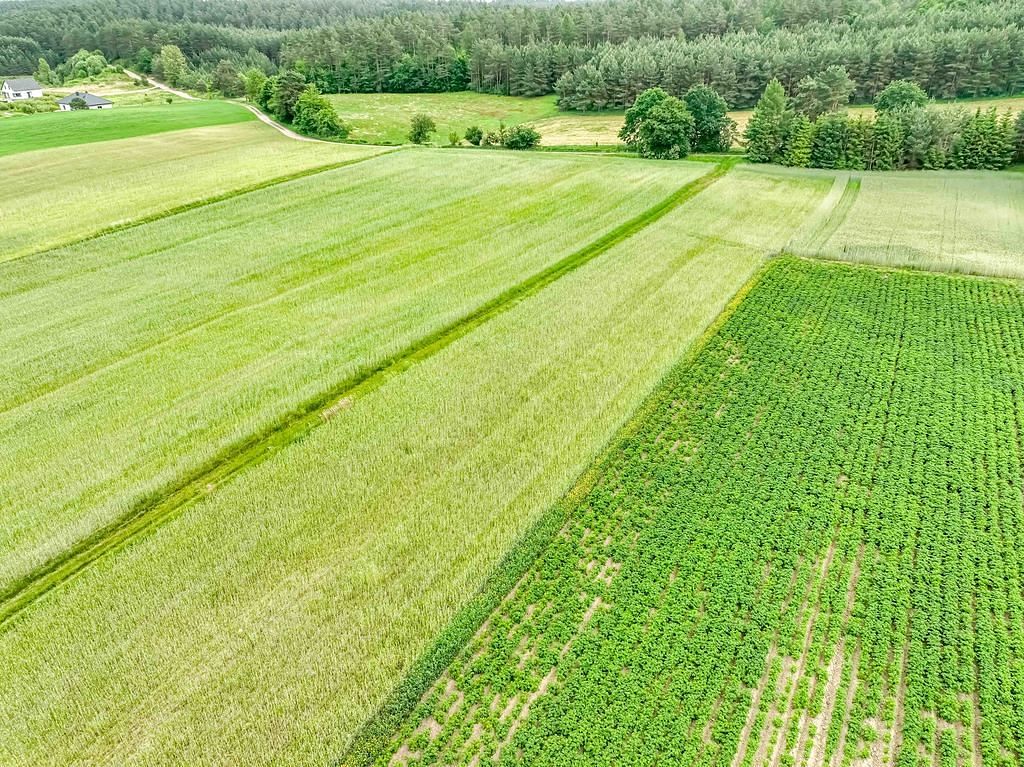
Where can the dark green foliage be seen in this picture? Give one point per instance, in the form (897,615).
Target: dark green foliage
(421,127)
(1019,138)
(750,534)
(712,127)
(828,91)
(285,90)
(316,116)
(900,95)
(888,143)
(521,137)
(226,79)
(144,60)
(43,73)
(78,103)
(986,141)
(800,139)
(831,135)
(658,126)
(474,135)
(765,130)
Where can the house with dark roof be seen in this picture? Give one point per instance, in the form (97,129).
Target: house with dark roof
(19,88)
(91,101)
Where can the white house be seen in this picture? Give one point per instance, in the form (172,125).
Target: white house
(20,88)
(91,102)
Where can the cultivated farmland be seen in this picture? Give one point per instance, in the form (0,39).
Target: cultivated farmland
(346,553)
(807,552)
(111,183)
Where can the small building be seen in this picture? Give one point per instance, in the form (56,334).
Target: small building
(91,102)
(20,88)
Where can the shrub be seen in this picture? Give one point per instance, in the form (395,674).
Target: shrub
(474,135)
(521,137)
(420,128)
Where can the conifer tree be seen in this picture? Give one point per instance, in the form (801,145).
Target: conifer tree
(801,138)
(764,131)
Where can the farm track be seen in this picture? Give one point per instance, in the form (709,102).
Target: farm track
(204,202)
(166,505)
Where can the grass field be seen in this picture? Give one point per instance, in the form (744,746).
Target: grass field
(116,182)
(56,129)
(348,551)
(384,117)
(871,422)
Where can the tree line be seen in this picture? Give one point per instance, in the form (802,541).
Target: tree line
(812,129)
(593,55)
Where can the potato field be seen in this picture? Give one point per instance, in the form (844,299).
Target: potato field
(806,552)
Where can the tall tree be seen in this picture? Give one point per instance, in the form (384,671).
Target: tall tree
(712,127)
(764,133)
(900,95)
(173,64)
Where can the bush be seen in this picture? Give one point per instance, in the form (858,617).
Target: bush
(420,128)
(316,115)
(454,139)
(474,135)
(521,137)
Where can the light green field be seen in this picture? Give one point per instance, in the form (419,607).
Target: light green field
(55,129)
(272,617)
(241,312)
(67,193)
(383,118)
(953,221)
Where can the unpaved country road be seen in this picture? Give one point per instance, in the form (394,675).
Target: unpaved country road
(262,117)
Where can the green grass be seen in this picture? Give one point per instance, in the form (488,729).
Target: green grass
(346,552)
(383,118)
(57,129)
(818,522)
(941,221)
(216,341)
(117,182)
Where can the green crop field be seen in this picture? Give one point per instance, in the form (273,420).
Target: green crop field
(116,182)
(56,129)
(807,551)
(215,343)
(283,423)
(348,551)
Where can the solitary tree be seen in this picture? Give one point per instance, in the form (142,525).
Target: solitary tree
(420,129)
(78,103)
(315,115)
(899,96)
(764,131)
(474,135)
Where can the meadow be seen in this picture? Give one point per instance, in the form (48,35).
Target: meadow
(113,183)
(383,118)
(871,422)
(347,551)
(56,129)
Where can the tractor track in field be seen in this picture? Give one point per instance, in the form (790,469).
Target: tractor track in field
(163,506)
(203,202)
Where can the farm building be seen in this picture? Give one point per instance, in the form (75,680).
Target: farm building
(20,88)
(91,101)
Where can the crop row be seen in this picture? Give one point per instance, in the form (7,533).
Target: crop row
(807,554)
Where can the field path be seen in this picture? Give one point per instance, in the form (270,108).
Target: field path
(263,118)
(258,447)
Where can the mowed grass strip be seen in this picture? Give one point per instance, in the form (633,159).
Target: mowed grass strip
(950,221)
(57,129)
(216,344)
(769,568)
(67,193)
(307,586)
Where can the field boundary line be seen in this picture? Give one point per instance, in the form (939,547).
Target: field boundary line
(374,735)
(824,223)
(202,202)
(167,503)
